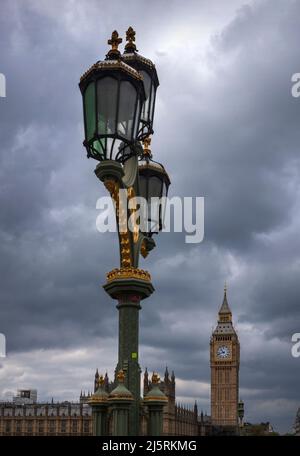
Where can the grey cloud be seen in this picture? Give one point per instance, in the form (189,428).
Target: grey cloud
(226,128)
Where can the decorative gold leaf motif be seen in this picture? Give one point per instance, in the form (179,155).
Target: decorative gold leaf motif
(128,273)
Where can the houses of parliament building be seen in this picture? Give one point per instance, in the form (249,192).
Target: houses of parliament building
(25,416)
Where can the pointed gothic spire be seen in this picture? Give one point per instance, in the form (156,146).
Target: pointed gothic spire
(146,382)
(196,408)
(106,382)
(225,312)
(166,375)
(146,377)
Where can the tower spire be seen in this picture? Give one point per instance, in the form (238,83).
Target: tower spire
(166,375)
(225,312)
(146,382)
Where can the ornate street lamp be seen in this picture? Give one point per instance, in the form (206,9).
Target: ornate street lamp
(150,79)
(118,102)
(154,184)
(113,96)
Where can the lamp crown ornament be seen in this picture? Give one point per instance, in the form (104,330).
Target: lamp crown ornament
(114,42)
(130,38)
(146,144)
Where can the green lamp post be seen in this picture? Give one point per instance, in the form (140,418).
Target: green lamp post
(118,103)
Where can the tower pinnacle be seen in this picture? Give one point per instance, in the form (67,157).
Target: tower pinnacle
(225,312)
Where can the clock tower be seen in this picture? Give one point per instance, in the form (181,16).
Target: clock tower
(224,363)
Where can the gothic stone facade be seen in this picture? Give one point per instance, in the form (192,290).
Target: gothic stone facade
(45,419)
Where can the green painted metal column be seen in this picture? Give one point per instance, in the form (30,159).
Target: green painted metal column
(129,291)
(128,358)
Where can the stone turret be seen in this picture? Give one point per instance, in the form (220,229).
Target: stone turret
(99,403)
(155,400)
(146,382)
(96,380)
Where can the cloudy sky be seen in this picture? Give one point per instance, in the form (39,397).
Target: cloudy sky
(226,128)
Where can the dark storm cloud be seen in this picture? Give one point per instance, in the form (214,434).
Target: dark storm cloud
(226,128)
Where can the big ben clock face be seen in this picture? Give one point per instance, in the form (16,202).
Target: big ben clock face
(223,352)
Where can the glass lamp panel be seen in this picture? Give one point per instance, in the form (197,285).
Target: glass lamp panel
(155,187)
(137,118)
(143,187)
(97,149)
(153,94)
(154,216)
(165,189)
(147,86)
(90,111)
(127,102)
(107,96)
(163,204)
(143,207)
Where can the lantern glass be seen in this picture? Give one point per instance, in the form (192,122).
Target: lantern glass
(89,109)
(137,118)
(112,104)
(150,82)
(155,187)
(147,114)
(127,107)
(146,105)
(153,183)
(152,107)
(107,99)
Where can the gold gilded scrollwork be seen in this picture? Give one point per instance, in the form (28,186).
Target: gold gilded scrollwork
(144,251)
(131,196)
(113,187)
(128,273)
